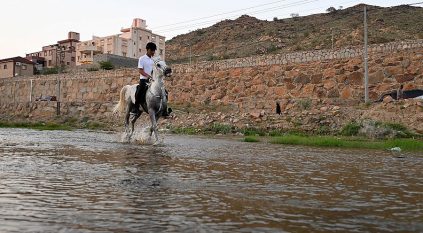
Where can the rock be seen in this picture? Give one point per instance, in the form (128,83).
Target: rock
(255,114)
(376,77)
(329,84)
(324,109)
(346,93)
(404,78)
(388,99)
(355,78)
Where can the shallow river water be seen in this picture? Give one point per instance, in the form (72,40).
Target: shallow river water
(81,181)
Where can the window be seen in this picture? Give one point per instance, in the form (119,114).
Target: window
(5,67)
(73,59)
(45,53)
(124,54)
(49,62)
(140,38)
(67,63)
(23,67)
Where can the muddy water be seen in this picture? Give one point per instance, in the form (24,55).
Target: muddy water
(80,181)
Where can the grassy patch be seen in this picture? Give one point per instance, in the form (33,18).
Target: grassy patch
(37,125)
(184,130)
(251,139)
(330,141)
(217,128)
(253,132)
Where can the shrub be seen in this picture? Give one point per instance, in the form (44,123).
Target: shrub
(305,103)
(47,71)
(106,65)
(351,129)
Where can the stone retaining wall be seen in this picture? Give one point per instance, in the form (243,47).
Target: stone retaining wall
(242,90)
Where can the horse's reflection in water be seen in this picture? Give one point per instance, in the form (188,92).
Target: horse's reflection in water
(156,102)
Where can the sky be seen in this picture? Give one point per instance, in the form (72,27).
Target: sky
(27,25)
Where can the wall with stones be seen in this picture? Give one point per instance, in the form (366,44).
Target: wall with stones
(242,90)
(337,81)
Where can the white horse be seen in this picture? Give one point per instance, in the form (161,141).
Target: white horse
(155,98)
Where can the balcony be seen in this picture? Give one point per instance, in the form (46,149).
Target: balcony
(86,60)
(90,49)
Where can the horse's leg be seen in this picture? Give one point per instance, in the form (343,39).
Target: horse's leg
(153,124)
(127,115)
(134,118)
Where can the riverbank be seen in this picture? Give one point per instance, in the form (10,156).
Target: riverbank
(351,136)
(397,144)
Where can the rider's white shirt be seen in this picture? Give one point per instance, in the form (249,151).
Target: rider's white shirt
(145,63)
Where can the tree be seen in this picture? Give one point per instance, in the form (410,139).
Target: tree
(331,9)
(295,15)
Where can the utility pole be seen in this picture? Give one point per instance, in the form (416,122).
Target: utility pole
(366,69)
(190,54)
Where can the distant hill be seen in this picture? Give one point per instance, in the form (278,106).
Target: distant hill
(247,36)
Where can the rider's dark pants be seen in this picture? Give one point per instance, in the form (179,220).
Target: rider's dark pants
(140,93)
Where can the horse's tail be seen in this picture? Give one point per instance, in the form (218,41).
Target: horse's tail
(120,107)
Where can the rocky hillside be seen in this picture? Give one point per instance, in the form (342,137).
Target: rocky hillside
(247,36)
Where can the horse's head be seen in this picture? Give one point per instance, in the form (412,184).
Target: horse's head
(161,69)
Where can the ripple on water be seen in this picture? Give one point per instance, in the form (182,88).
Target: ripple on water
(86,181)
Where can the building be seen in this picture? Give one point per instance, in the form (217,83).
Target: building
(130,43)
(16,66)
(62,53)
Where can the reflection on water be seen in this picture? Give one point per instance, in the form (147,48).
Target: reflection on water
(89,182)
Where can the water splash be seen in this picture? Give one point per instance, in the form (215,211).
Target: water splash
(140,136)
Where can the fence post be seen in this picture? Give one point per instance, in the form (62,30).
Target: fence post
(31,92)
(58,97)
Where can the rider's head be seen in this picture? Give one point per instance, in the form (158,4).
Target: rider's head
(151,49)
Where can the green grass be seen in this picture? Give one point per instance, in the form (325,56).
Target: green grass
(217,128)
(184,130)
(37,125)
(251,139)
(330,141)
(60,124)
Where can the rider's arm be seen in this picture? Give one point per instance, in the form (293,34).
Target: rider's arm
(143,73)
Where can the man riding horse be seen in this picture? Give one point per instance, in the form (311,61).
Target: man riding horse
(145,68)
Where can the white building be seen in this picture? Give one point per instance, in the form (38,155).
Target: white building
(130,43)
